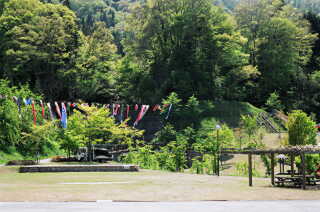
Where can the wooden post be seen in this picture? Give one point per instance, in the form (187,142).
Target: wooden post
(303,164)
(218,153)
(272,169)
(292,164)
(218,164)
(89,152)
(250,168)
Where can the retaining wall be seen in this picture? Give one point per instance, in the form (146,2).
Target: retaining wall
(80,168)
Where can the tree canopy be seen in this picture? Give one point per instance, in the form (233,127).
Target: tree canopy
(142,51)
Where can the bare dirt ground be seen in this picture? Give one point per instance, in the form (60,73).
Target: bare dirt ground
(146,185)
(140,186)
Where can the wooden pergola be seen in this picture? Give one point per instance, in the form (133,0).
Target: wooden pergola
(292,151)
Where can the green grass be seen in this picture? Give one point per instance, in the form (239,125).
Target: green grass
(12,155)
(230,112)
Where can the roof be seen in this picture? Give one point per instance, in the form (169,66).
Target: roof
(309,149)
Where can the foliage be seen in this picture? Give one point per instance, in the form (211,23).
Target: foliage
(174,140)
(97,126)
(184,46)
(9,125)
(69,141)
(249,125)
(178,149)
(142,51)
(197,166)
(91,12)
(301,129)
(165,159)
(274,103)
(14,122)
(171,157)
(165,135)
(45,34)
(280,44)
(242,169)
(10,154)
(201,57)
(40,139)
(204,165)
(93,76)
(267,163)
(144,157)
(312,163)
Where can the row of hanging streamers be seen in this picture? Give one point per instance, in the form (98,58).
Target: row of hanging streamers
(55,110)
(60,110)
(118,110)
(122,111)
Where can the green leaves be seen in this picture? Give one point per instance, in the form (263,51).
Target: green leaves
(37,40)
(273,102)
(301,129)
(98,127)
(185,45)
(279,42)
(94,75)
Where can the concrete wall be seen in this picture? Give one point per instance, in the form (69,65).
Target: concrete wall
(80,168)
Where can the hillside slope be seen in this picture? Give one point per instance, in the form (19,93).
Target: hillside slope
(230,112)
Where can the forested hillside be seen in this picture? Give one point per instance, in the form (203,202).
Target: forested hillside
(140,51)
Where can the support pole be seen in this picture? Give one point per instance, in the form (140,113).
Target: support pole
(89,151)
(272,169)
(303,164)
(218,164)
(250,169)
(218,153)
(292,164)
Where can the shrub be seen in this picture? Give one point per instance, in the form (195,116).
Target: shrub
(301,129)
(273,102)
(312,163)
(242,169)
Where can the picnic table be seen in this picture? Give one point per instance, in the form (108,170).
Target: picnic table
(283,179)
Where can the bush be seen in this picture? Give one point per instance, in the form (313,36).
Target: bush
(142,156)
(242,169)
(41,140)
(312,163)
(15,121)
(301,129)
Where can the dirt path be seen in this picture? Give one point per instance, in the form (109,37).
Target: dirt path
(141,186)
(48,160)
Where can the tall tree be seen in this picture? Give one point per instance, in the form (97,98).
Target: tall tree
(280,45)
(184,46)
(91,12)
(38,41)
(93,76)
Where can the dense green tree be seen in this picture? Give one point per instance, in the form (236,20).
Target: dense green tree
(98,127)
(91,12)
(15,121)
(184,46)
(314,63)
(273,102)
(280,54)
(93,76)
(280,45)
(37,42)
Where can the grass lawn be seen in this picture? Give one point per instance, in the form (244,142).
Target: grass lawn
(138,186)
